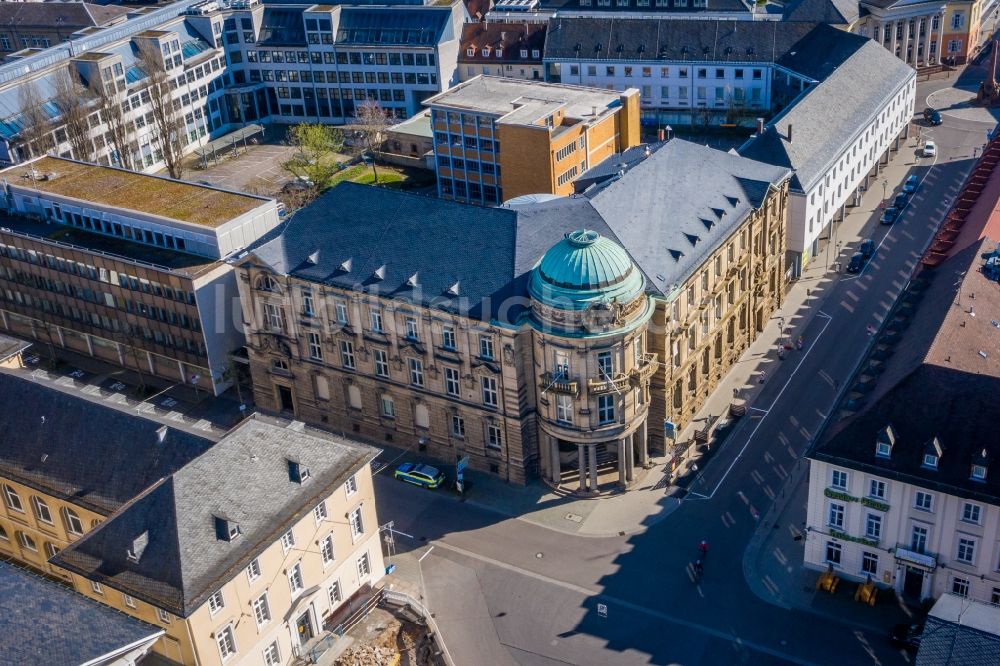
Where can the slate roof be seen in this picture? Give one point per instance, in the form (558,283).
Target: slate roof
(937,366)
(94,456)
(672,7)
(10,347)
(684,197)
(245,479)
(692,40)
(68,16)
(833,12)
(512,38)
(960,632)
(398,26)
(827,118)
(55,625)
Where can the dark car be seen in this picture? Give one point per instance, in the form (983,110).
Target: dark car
(932,116)
(901,200)
(911,184)
(906,636)
(867,248)
(856,263)
(890,215)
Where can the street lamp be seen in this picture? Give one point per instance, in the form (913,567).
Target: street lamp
(885,184)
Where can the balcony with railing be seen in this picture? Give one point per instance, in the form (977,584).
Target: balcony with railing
(562,384)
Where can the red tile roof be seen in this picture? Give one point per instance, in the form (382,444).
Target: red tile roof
(511,38)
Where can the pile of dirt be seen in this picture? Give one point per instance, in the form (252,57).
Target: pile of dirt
(398,643)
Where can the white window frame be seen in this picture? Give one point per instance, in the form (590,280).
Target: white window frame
(411,329)
(839,479)
(12,499)
(261,610)
(272,654)
(491,396)
(275,317)
(287,541)
(340,312)
(458,426)
(376,321)
(128,600)
(972,513)
(307,304)
(873,519)
(919,504)
(40,507)
(351,485)
(27,542)
(966,545)
(451,381)
(387,405)
(448,337)
(381,363)
(320,513)
(494,437)
(216,602)
(357,521)
(253,570)
(868,556)
(606,409)
(364,566)
(838,548)
(486,346)
(877,484)
(416,372)
(96,587)
(163,616)
(326,550)
(225,640)
(334,595)
(836,515)
(296,583)
(315,346)
(347,354)
(564,409)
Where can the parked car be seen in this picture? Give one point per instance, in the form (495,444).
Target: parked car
(911,184)
(867,248)
(420,475)
(901,200)
(932,116)
(857,262)
(890,215)
(930,149)
(906,636)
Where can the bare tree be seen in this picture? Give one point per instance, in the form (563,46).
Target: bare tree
(73,100)
(36,135)
(109,104)
(370,123)
(168,123)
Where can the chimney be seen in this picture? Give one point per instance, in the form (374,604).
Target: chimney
(760,126)
(789,132)
(661,135)
(593,111)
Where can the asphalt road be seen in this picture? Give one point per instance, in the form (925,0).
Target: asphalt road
(540,590)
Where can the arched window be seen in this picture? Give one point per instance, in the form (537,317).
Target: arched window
(3,534)
(266,283)
(42,512)
(95,522)
(12,499)
(73,523)
(27,542)
(50,550)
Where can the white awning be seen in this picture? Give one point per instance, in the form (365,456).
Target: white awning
(917,559)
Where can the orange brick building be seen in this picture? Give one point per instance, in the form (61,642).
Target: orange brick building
(498,138)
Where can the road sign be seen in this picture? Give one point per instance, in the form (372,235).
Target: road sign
(462,464)
(669,430)
(602,610)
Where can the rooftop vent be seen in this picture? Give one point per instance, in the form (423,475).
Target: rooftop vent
(719,213)
(708,223)
(676,254)
(346,265)
(138,546)
(733,201)
(297,472)
(692,239)
(225,529)
(313,258)
(412,280)
(453,289)
(379,273)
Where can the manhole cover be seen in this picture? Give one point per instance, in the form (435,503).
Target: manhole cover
(574,517)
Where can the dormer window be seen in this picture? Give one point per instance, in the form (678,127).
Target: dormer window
(980,463)
(486,51)
(524,53)
(470,52)
(297,472)
(885,441)
(978,473)
(225,529)
(267,283)
(536,54)
(499,53)
(932,453)
(138,546)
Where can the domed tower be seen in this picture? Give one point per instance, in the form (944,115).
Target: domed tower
(590,312)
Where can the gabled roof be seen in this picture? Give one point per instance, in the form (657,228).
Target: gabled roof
(684,8)
(65,16)
(510,38)
(936,384)
(84,452)
(55,625)
(243,479)
(827,118)
(832,12)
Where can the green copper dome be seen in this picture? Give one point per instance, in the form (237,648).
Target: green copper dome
(582,269)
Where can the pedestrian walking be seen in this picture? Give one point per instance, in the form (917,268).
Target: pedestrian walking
(799,342)
(760,379)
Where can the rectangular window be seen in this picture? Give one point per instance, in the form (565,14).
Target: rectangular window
(451,381)
(128,600)
(334,595)
(163,615)
(869,563)
(388,407)
(457,426)
(340,312)
(364,566)
(493,437)
(357,523)
(416,372)
(448,337)
(326,549)
(275,317)
(319,513)
(873,526)
(347,354)
(226,642)
(839,479)
(287,541)
(971,513)
(833,552)
(295,583)
(411,328)
(381,363)
(307,304)
(918,539)
(605,409)
(605,365)
(315,347)
(876,489)
(253,570)
(261,610)
(924,501)
(564,409)
(376,320)
(486,346)
(966,550)
(272,656)
(960,586)
(836,515)
(490,398)
(216,602)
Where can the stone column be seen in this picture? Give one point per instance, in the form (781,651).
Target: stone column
(593,467)
(643,444)
(940,41)
(581,452)
(622,478)
(556,468)
(909,52)
(892,33)
(630,458)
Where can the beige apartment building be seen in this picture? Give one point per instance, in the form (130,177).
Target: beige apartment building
(499,138)
(546,339)
(247,553)
(906,490)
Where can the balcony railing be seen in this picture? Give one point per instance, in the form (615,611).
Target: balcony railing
(622,382)
(619,382)
(563,385)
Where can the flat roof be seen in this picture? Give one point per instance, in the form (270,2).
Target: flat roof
(10,347)
(968,613)
(525,102)
(118,248)
(120,188)
(418,125)
(55,625)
